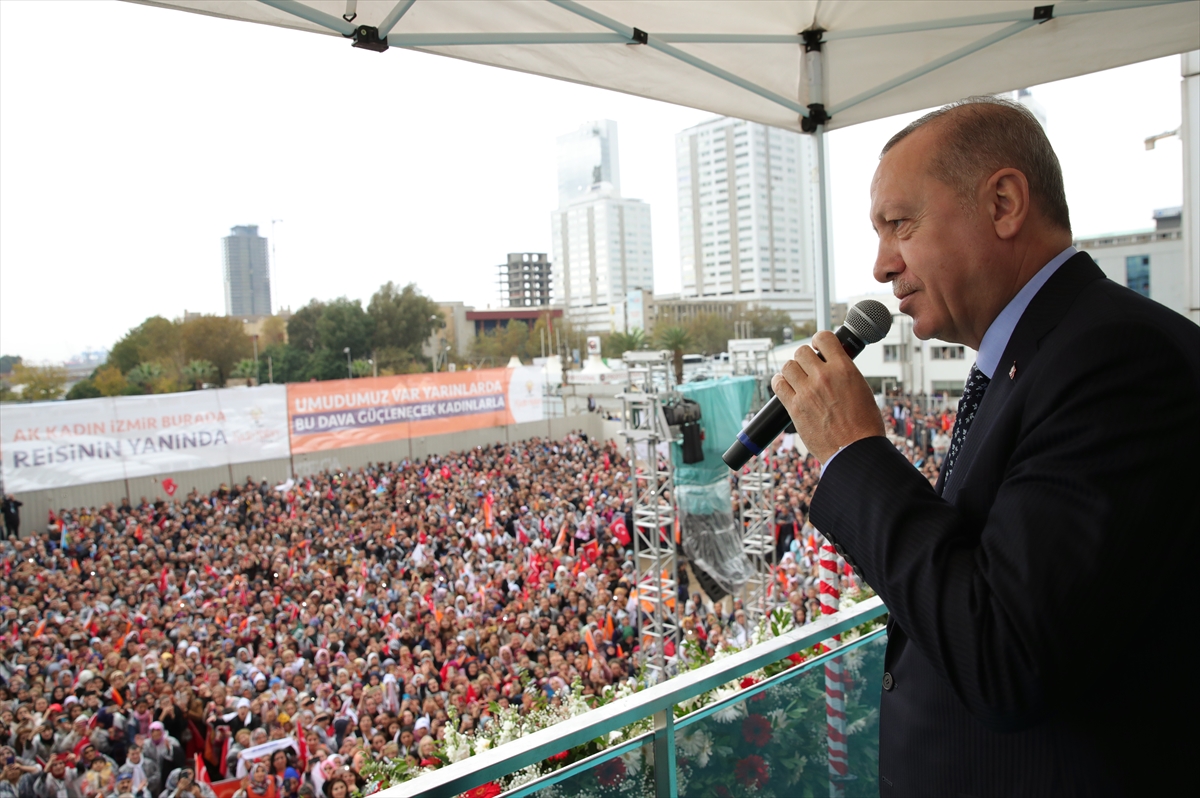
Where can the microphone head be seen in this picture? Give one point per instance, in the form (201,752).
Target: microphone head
(869,320)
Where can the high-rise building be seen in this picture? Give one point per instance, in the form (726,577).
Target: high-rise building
(748,214)
(525,280)
(587,159)
(602,244)
(247,273)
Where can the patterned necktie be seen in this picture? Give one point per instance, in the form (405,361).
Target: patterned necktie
(968,405)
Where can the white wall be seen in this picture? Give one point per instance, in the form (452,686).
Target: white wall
(34,513)
(1189,133)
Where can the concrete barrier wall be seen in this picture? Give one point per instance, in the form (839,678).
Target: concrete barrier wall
(37,504)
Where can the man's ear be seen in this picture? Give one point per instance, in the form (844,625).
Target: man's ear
(1006,198)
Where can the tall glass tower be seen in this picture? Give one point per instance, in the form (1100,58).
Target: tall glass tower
(247,275)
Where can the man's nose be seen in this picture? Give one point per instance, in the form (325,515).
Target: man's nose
(888,262)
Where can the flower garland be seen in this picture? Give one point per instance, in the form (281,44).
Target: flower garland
(624,774)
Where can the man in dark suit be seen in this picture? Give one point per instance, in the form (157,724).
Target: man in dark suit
(1039,592)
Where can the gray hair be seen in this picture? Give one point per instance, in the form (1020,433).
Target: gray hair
(981,135)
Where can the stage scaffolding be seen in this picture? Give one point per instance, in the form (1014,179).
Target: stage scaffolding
(756,485)
(654,510)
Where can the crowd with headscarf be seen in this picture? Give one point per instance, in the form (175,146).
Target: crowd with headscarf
(284,636)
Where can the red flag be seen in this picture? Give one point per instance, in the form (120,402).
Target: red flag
(620,531)
(487,510)
(169,486)
(202,771)
(591,551)
(301,745)
(162,582)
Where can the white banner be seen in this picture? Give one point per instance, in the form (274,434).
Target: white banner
(56,444)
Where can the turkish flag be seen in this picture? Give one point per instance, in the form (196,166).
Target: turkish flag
(169,486)
(620,531)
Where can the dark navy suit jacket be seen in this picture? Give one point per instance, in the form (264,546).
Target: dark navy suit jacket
(1040,600)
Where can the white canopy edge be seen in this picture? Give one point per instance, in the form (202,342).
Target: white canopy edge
(746,58)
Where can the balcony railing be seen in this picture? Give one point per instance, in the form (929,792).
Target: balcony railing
(781,728)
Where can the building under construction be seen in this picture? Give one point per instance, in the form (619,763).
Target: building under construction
(525,280)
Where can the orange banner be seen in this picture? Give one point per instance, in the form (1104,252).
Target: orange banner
(339,413)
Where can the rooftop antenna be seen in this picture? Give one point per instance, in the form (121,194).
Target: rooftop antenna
(274,271)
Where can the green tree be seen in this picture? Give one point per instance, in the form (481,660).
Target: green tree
(274,332)
(677,340)
(244,370)
(220,340)
(110,381)
(148,377)
(619,343)
(302,327)
(709,333)
(501,344)
(769,323)
(198,372)
(154,340)
(362,368)
(403,319)
(287,363)
(343,324)
(39,383)
(84,389)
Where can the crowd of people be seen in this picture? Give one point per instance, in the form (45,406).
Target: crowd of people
(280,637)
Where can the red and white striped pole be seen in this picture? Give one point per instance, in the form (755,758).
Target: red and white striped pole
(835,698)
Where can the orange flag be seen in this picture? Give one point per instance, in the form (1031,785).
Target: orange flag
(608,627)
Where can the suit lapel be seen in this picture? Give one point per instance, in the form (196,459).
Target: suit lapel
(1043,314)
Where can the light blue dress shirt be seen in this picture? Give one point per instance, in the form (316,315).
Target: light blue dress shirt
(995,340)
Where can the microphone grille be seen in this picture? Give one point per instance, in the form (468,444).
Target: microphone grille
(869,320)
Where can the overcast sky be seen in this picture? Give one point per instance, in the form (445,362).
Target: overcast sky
(133,138)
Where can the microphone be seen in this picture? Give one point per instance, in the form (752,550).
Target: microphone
(866,323)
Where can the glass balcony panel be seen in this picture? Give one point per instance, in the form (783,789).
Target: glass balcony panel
(780,741)
(630,774)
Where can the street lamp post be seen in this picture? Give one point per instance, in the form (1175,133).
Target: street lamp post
(349,370)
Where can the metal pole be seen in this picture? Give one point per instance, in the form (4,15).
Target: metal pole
(256,360)
(822,271)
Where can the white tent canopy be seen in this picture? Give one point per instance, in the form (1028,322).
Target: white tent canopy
(810,65)
(746,58)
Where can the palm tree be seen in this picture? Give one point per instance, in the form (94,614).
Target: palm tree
(145,375)
(676,339)
(619,343)
(198,372)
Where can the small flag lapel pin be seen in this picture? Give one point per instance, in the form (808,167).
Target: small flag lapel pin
(1012,372)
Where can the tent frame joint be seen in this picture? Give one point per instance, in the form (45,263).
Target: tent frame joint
(1043,13)
(816,116)
(367,37)
(814,38)
(639,37)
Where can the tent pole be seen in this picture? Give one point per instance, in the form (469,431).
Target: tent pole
(312,15)
(822,287)
(814,123)
(389,22)
(935,64)
(656,43)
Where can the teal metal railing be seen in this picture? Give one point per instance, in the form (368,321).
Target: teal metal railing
(772,733)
